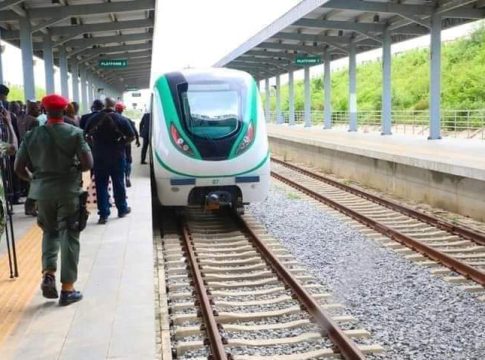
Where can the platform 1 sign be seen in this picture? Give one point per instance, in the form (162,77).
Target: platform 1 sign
(113,63)
(305,60)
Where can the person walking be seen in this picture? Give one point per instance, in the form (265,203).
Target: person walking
(108,134)
(52,158)
(96,107)
(119,108)
(145,133)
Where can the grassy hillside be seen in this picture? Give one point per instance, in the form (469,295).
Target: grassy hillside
(463,80)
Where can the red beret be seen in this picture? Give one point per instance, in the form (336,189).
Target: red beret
(55,102)
(119,106)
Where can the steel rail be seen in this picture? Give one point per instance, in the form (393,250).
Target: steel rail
(468,234)
(452,263)
(211,327)
(348,349)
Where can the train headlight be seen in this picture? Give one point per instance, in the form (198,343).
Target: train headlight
(247,140)
(179,142)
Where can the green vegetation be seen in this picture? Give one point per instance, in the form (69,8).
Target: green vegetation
(17,93)
(463,87)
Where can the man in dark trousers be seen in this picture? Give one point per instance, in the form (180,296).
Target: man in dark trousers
(145,133)
(119,108)
(108,134)
(52,158)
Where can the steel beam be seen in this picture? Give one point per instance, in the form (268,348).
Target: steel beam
(380,7)
(27,58)
(115,49)
(291,98)
(48,64)
(300,10)
(63,69)
(267,103)
(75,30)
(435,79)
(386,121)
(84,93)
(8,4)
(279,117)
(327,85)
(121,55)
(352,88)
(91,9)
(75,81)
(295,47)
(340,25)
(308,99)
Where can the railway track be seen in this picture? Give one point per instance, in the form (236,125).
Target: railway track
(460,249)
(234,293)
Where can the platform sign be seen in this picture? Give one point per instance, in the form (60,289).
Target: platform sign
(116,63)
(305,60)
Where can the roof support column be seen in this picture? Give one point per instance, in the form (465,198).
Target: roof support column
(63,69)
(327,86)
(308,100)
(48,64)
(291,98)
(352,88)
(75,81)
(89,79)
(386,84)
(435,78)
(84,92)
(1,66)
(27,58)
(266,100)
(279,117)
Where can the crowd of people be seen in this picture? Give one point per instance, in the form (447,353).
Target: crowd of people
(45,146)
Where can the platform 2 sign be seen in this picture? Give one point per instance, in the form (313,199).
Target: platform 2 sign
(308,60)
(113,63)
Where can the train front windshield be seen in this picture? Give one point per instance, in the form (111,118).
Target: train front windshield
(213,110)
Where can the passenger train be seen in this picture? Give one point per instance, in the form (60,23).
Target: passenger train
(208,139)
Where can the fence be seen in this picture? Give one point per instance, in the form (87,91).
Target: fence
(468,124)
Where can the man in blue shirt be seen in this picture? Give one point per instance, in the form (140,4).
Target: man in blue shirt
(108,134)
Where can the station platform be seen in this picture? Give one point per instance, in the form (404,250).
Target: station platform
(447,173)
(115,319)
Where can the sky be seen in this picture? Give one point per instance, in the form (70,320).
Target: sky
(198,33)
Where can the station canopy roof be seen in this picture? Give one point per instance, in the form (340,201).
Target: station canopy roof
(89,31)
(315,25)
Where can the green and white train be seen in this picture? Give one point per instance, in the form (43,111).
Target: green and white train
(208,139)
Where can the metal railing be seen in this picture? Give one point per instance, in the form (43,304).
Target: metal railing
(467,124)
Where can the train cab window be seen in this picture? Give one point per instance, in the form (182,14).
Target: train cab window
(212,111)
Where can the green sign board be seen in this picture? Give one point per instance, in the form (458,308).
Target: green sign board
(132,89)
(113,63)
(308,60)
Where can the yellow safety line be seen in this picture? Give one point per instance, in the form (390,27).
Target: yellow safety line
(16,294)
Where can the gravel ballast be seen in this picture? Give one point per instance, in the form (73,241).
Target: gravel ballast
(413,314)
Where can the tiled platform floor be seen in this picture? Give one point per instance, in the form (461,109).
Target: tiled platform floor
(460,157)
(115,320)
